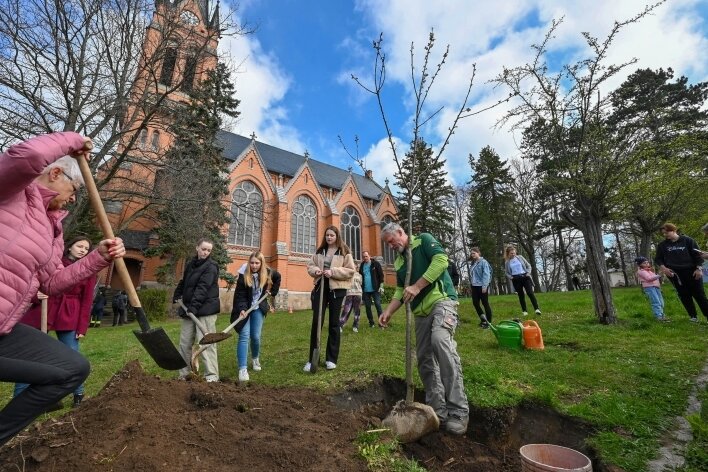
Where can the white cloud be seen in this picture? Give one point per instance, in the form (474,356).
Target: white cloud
(497,34)
(261,85)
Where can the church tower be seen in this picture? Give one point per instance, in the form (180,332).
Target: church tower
(179,48)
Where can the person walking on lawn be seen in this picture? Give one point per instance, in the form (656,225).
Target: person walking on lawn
(251,285)
(433,300)
(333,268)
(352,303)
(38,177)
(199,291)
(680,260)
(481,279)
(372,285)
(518,270)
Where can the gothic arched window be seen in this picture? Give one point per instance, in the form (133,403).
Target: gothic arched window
(350,228)
(303,226)
(246,215)
(389,254)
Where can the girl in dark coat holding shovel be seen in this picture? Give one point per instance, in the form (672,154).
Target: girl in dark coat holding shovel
(250,287)
(199,291)
(333,268)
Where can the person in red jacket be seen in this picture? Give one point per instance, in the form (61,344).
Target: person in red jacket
(68,314)
(38,177)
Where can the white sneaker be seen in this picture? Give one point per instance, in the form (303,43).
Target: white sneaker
(330,365)
(243,375)
(307,367)
(341,330)
(257,364)
(538,312)
(356,330)
(524,313)
(212,378)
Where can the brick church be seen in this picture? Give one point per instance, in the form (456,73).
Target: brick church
(281,201)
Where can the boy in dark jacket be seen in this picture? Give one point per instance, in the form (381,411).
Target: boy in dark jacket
(199,291)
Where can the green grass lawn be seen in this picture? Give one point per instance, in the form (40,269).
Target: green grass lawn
(629,379)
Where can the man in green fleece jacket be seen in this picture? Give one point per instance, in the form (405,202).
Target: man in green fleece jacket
(433,300)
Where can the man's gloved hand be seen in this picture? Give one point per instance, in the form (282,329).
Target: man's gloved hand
(179,310)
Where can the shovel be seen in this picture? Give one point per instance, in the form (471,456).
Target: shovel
(191,316)
(315,362)
(43,316)
(211,338)
(154,340)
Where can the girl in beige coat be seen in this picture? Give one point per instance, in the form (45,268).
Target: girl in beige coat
(332,267)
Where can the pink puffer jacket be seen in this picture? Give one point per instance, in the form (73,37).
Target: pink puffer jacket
(31,237)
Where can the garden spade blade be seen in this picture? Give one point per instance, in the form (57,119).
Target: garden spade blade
(154,340)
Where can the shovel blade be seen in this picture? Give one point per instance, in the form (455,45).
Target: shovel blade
(315,361)
(160,347)
(211,338)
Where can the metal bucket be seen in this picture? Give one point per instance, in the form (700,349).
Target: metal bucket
(549,457)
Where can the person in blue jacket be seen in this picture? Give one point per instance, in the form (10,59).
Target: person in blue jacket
(481,279)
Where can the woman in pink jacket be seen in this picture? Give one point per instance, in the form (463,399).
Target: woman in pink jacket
(68,314)
(36,183)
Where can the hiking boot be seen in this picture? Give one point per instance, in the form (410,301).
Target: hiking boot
(456,425)
(243,375)
(330,365)
(307,367)
(256,364)
(78,398)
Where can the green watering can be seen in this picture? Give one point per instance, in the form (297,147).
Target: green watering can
(509,334)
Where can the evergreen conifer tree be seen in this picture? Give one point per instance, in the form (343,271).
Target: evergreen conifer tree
(433,212)
(193,186)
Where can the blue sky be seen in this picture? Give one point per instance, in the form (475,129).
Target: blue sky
(293,74)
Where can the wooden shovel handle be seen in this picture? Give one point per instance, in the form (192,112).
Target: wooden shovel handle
(43,316)
(106,229)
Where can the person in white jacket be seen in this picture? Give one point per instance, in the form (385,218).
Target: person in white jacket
(518,270)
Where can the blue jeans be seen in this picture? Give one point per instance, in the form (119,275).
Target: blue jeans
(251,330)
(656,301)
(68,338)
(367,298)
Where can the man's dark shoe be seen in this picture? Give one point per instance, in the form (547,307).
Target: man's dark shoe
(456,425)
(78,398)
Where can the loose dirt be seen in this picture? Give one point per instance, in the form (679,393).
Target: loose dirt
(140,422)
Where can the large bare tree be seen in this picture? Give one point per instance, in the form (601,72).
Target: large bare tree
(94,67)
(564,116)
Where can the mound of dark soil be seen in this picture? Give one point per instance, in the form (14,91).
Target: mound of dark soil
(140,422)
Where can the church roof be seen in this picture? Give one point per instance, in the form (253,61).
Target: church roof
(284,162)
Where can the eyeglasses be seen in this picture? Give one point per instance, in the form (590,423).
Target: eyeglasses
(73,182)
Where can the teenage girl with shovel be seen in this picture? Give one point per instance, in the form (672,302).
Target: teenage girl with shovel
(332,267)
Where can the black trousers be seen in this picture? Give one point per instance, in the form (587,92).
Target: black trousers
(367,297)
(478,296)
(689,289)
(332,304)
(52,370)
(524,283)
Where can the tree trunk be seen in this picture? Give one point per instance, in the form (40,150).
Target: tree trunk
(597,270)
(620,253)
(645,244)
(564,260)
